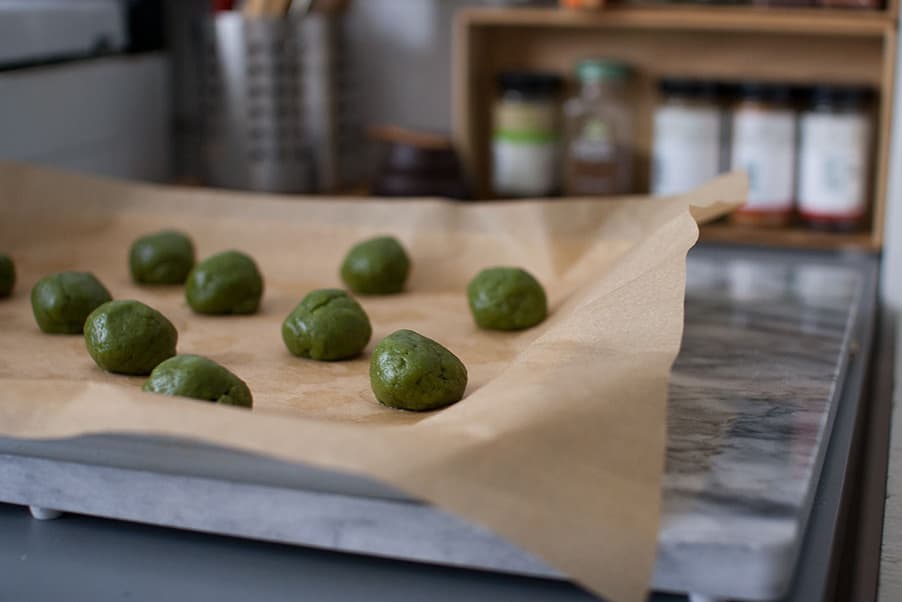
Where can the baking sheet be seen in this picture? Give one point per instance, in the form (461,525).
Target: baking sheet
(559,442)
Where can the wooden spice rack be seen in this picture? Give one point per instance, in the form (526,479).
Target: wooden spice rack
(799,46)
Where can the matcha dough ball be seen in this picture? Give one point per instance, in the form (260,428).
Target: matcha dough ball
(128,337)
(199,378)
(162,258)
(378,266)
(327,325)
(226,283)
(506,299)
(61,302)
(411,372)
(7,276)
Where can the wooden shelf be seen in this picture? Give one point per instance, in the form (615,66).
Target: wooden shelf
(718,43)
(693,18)
(797,237)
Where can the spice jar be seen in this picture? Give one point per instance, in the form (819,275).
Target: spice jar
(598,151)
(764,146)
(835,144)
(417,163)
(688,136)
(526,135)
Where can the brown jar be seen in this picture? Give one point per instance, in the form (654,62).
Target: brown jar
(417,163)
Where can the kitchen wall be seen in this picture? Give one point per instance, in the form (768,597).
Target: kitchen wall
(401,52)
(109,116)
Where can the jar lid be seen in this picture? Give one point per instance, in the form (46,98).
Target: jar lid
(689,88)
(842,96)
(530,83)
(765,92)
(595,70)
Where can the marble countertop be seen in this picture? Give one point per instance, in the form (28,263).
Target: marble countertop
(752,397)
(890,583)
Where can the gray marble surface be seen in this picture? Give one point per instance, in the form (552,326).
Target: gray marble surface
(753,396)
(890,584)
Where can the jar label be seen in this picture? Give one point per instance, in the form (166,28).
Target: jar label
(833,166)
(529,119)
(524,169)
(595,142)
(686,150)
(764,147)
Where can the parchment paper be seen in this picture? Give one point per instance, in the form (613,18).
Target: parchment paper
(557,446)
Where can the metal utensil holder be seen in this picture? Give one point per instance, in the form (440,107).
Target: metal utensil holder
(255,131)
(333,126)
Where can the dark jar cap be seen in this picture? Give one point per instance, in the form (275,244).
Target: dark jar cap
(765,92)
(842,96)
(690,88)
(530,83)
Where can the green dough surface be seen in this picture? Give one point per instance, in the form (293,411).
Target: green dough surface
(327,325)
(506,299)
(162,258)
(61,302)
(225,283)
(128,337)
(378,266)
(411,372)
(199,378)
(7,275)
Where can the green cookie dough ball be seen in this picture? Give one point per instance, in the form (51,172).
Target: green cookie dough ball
(378,266)
(327,325)
(506,299)
(199,378)
(162,258)
(128,337)
(7,276)
(411,372)
(61,302)
(226,283)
